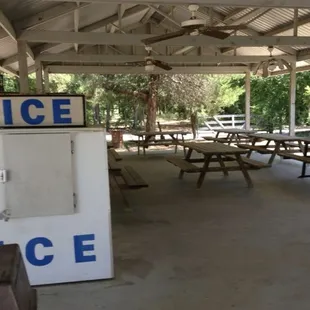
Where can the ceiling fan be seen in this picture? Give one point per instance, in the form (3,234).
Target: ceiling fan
(150,63)
(272,64)
(195,26)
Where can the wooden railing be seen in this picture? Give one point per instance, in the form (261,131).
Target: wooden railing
(225,121)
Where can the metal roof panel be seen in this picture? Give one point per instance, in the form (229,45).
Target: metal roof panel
(274,18)
(18,9)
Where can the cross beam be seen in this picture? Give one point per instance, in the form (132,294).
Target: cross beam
(99,24)
(141,70)
(135,39)
(118,59)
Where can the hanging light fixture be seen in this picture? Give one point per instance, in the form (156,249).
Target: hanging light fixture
(273,64)
(149,67)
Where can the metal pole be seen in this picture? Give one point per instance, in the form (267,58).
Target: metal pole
(248,100)
(292,100)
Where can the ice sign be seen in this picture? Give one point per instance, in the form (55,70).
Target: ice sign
(42,111)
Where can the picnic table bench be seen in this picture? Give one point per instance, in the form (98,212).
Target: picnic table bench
(114,166)
(113,154)
(113,159)
(131,178)
(251,163)
(303,144)
(301,158)
(209,151)
(124,178)
(147,139)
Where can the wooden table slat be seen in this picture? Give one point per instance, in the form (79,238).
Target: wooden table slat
(236,131)
(275,137)
(213,148)
(158,133)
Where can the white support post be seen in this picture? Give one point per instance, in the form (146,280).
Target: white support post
(248,100)
(46,81)
(23,67)
(39,77)
(292,100)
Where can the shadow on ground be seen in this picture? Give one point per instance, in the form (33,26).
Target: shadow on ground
(221,247)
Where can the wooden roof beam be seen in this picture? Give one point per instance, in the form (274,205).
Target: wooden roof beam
(95,38)
(141,70)
(101,58)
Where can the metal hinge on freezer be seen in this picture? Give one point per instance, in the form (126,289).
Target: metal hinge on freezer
(72,147)
(3,176)
(5,215)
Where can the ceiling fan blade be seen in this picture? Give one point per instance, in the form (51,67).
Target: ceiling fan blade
(232,27)
(287,65)
(280,64)
(164,37)
(265,69)
(215,34)
(162,65)
(136,63)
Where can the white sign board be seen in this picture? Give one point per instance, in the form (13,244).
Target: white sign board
(42,111)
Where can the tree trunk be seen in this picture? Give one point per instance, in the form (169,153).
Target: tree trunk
(152,103)
(97,114)
(194,124)
(1,83)
(108,116)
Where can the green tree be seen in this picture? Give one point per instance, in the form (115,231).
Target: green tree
(191,96)
(270,100)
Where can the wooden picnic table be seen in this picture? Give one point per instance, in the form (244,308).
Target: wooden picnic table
(146,139)
(209,151)
(279,140)
(233,135)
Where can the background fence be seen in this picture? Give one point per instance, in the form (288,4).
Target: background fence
(225,121)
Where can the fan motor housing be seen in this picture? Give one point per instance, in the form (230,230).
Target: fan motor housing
(193,23)
(149,59)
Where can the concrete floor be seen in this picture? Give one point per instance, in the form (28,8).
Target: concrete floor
(221,247)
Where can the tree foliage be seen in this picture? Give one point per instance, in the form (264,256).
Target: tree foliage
(270,100)
(126,99)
